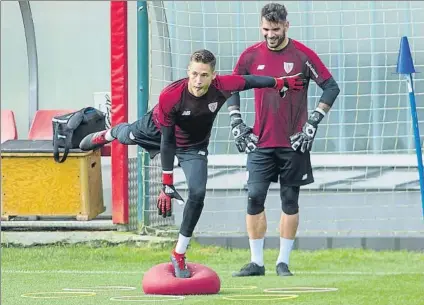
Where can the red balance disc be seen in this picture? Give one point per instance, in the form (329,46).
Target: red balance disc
(160,279)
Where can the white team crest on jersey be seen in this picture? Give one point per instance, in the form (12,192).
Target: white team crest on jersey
(288,67)
(213,106)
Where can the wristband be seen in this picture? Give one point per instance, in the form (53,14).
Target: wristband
(279,83)
(316,116)
(235,112)
(167,177)
(235,117)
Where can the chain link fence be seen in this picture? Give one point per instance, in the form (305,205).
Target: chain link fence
(152,183)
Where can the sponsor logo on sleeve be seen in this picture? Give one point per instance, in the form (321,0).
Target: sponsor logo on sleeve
(312,69)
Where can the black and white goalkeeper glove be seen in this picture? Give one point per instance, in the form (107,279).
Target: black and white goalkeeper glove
(243,135)
(303,140)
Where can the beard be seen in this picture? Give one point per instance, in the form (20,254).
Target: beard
(276,41)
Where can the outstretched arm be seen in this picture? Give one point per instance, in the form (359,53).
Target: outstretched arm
(245,82)
(244,138)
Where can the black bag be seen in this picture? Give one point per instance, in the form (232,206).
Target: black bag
(69,129)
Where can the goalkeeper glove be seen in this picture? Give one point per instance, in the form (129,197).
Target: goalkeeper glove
(167,193)
(243,136)
(292,82)
(305,138)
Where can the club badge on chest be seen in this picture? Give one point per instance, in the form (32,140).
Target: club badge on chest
(288,67)
(213,106)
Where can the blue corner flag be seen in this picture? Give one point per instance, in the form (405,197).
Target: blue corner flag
(405,66)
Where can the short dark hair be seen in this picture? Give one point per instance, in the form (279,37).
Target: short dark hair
(204,56)
(274,12)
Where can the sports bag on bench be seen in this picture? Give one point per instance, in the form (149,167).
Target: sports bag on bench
(69,129)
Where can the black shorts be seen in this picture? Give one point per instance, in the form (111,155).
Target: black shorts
(292,167)
(146,134)
(192,153)
(194,162)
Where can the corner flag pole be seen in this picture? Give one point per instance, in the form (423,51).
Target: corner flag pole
(405,66)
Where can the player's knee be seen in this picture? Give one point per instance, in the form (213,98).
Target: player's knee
(195,206)
(191,215)
(256,200)
(290,200)
(197,194)
(290,207)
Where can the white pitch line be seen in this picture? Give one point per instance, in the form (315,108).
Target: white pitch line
(72,271)
(101,288)
(356,273)
(359,273)
(145,298)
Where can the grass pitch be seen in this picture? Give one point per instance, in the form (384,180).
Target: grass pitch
(101,274)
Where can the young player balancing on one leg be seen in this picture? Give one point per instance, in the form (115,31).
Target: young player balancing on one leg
(180,125)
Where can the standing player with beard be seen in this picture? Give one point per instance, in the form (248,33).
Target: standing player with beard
(284,130)
(180,125)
